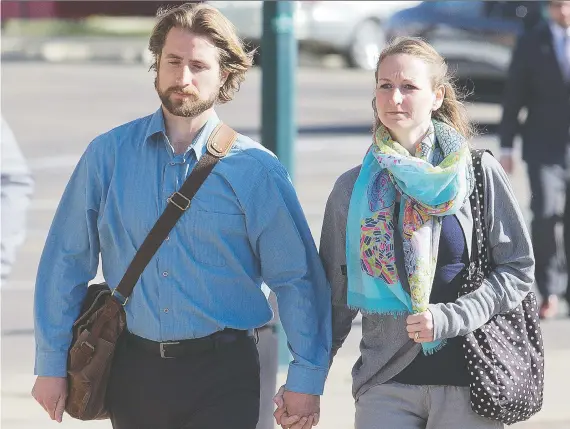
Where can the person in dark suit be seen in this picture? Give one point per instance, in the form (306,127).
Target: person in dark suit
(539,80)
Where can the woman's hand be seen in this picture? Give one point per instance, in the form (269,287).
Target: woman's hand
(286,421)
(420,327)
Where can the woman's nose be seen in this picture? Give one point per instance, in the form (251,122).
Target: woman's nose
(397,96)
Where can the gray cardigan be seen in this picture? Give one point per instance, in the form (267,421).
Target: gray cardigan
(385,347)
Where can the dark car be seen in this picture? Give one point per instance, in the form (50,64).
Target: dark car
(475,37)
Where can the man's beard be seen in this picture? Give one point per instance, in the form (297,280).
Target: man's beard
(188,107)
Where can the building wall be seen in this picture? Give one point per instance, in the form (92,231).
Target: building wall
(80,9)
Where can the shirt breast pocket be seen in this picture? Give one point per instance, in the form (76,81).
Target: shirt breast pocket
(216,238)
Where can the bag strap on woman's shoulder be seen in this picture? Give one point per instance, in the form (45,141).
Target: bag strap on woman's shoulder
(477,199)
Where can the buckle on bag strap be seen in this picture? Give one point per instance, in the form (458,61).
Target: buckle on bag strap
(183,203)
(119,297)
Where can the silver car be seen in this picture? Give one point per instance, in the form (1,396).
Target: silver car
(350,28)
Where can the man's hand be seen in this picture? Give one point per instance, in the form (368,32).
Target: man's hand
(296,410)
(507,162)
(51,393)
(420,327)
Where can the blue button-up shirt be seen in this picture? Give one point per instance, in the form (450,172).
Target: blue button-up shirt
(245,226)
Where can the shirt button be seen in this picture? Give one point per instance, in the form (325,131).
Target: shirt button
(172,163)
(167,238)
(165,274)
(166,310)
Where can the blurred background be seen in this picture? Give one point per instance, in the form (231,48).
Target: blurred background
(74,69)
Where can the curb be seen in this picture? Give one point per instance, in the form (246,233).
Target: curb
(125,51)
(108,50)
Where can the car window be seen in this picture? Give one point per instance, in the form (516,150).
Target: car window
(467,8)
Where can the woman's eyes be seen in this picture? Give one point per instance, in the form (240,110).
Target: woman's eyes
(407,86)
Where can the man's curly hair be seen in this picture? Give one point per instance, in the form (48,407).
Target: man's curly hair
(207,21)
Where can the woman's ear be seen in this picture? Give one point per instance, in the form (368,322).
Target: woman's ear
(438,97)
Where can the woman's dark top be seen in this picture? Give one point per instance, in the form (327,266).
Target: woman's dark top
(446,366)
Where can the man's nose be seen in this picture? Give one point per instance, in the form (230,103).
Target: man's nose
(185,77)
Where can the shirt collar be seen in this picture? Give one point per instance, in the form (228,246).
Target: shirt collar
(156,125)
(558,31)
(199,143)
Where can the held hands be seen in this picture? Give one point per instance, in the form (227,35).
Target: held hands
(296,410)
(51,393)
(420,327)
(301,411)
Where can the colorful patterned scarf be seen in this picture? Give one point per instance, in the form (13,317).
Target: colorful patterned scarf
(433,183)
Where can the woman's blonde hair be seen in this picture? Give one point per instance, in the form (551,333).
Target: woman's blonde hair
(207,21)
(452,110)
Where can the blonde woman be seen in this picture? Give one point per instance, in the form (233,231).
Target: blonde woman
(397,237)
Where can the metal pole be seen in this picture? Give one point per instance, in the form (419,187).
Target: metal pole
(278,127)
(278,62)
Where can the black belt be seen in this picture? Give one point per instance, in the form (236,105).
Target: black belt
(181,348)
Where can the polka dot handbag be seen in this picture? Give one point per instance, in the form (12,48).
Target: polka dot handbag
(505,357)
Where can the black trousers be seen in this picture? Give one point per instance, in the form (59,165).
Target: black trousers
(550,228)
(215,389)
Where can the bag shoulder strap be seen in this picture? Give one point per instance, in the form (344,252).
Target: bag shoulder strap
(219,144)
(221,140)
(477,203)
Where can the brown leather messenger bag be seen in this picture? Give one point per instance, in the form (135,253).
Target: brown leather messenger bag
(102,318)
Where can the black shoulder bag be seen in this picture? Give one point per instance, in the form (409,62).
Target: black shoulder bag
(505,357)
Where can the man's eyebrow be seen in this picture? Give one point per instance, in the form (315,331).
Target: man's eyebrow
(173,56)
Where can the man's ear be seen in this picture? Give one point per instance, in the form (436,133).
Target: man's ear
(224,77)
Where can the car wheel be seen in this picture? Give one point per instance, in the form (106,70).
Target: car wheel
(367,42)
